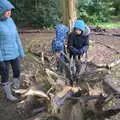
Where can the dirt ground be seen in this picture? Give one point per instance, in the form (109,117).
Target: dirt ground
(106,50)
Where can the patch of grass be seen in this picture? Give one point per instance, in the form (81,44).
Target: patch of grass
(109,25)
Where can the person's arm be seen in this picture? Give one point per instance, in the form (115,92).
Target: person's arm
(18,41)
(20,47)
(1,57)
(85,47)
(70,42)
(70,46)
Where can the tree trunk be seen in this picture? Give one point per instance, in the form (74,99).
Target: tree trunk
(69,12)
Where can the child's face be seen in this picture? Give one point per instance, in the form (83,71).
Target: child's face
(78,31)
(7,14)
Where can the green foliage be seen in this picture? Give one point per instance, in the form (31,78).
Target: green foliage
(94,11)
(46,13)
(116,4)
(109,25)
(43,13)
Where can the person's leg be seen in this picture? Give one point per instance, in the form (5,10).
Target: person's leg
(72,65)
(16,72)
(78,64)
(15,67)
(4,72)
(61,65)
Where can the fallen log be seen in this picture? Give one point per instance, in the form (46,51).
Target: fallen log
(38,110)
(89,107)
(66,89)
(105,34)
(110,112)
(97,29)
(37,93)
(113,64)
(54,79)
(108,66)
(20,91)
(59,98)
(32,106)
(51,73)
(114,84)
(35,31)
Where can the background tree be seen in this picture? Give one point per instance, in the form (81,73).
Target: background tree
(68,12)
(94,11)
(43,13)
(46,13)
(116,4)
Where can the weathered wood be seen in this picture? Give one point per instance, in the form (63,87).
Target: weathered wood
(109,66)
(113,64)
(66,89)
(54,79)
(49,72)
(114,84)
(29,31)
(90,107)
(38,110)
(20,91)
(37,93)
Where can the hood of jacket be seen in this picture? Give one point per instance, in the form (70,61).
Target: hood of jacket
(79,24)
(5,5)
(61,32)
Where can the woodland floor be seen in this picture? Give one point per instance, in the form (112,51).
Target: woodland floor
(106,50)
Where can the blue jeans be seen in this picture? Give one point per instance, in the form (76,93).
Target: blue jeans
(4,69)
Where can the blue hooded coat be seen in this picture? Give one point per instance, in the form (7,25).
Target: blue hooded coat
(61,36)
(58,43)
(61,32)
(78,44)
(10,43)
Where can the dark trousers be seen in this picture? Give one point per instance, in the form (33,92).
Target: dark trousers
(4,69)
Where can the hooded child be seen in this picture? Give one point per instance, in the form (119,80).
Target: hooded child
(11,49)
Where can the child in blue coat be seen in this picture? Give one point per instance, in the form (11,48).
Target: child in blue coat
(10,49)
(58,45)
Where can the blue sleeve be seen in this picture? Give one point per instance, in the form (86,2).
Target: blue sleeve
(1,57)
(18,41)
(20,47)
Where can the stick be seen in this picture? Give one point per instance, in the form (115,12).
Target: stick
(37,93)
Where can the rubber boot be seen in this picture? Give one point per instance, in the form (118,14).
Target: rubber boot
(16,83)
(7,90)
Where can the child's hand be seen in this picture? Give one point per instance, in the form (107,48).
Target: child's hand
(81,51)
(74,51)
(58,53)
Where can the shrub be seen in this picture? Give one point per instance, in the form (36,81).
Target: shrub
(43,13)
(94,11)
